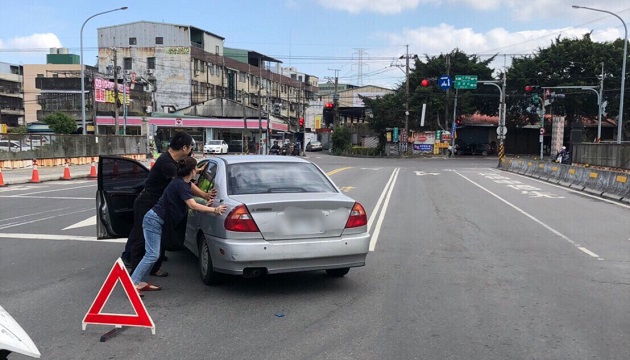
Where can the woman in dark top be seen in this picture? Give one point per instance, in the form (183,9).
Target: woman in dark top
(172,206)
(160,175)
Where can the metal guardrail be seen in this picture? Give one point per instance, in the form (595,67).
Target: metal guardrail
(54,146)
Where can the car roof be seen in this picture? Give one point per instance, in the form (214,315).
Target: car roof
(242,159)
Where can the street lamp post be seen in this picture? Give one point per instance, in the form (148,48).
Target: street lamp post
(623,66)
(83,70)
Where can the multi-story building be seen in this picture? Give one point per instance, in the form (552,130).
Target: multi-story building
(189,66)
(11,95)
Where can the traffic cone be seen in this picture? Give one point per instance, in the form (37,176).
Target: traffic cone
(66,172)
(1,178)
(35,176)
(93,170)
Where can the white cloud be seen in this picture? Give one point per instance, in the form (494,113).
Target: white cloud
(377,6)
(31,42)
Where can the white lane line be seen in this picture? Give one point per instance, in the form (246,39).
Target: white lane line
(589,252)
(58,237)
(377,230)
(91,221)
(380,199)
(64,189)
(33,214)
(6,226)
(554,231)
(47,197)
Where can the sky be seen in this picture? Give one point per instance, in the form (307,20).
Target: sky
(359,41)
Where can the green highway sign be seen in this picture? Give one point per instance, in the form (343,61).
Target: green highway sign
(466,82)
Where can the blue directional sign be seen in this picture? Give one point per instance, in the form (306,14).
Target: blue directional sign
(445,82)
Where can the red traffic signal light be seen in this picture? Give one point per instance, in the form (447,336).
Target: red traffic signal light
(329,105)
(301,122)
(528,88)
(425,83)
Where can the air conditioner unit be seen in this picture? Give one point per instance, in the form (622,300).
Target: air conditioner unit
(150,71)
(127,72)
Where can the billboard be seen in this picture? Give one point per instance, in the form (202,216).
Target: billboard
(104,91)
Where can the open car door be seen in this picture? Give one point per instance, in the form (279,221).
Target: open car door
(120,181)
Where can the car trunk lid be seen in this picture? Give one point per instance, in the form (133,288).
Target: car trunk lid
(298,216)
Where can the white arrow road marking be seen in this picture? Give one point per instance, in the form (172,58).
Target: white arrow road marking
(421,173)
(87,222)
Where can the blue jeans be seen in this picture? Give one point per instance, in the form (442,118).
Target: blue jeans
(152,230)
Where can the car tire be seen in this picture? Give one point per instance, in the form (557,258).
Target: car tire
(208,275)
(484,153)
(337,272)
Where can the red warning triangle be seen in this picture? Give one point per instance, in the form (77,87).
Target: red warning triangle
(140,319)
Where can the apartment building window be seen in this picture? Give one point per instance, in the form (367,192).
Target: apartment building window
(127,63)
(151,63)
(216,49)
(133,41)
(242,77)
(159,40)
(211,68)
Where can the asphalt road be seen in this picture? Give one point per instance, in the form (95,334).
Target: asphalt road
(469,262)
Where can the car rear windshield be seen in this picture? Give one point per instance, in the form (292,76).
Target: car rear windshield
(214,142)
(277,177)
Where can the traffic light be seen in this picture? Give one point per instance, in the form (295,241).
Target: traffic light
(301,122)
(425,83)
(329,114)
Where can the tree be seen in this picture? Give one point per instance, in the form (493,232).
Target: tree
(389,111)
(566,62)
(61,123)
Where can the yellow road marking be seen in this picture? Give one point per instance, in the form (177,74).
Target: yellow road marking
(338,170)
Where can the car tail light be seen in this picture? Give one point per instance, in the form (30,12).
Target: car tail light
(239,219)
(357,216)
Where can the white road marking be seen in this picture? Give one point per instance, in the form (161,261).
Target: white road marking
(554,231)
(6,226)
(33,214)
(574,191)
(49,191)
(47,197)
(20,188)
(377,230)
(589,252)
(380,199)
(87,222)
(59,237)
(420,173)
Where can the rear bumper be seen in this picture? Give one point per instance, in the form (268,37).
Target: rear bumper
(289,255)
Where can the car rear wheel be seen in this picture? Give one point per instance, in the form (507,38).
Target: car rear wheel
(337,272)
(208,275)
(484,153)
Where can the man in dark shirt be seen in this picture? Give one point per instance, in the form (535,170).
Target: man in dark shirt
(160,175)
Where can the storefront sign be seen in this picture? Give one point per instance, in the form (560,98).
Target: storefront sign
(104,91)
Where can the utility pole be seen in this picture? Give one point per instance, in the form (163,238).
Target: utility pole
(116,121)
(407,57)
(407,96)
(599,104)
(336,99)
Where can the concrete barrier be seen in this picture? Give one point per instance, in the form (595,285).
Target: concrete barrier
(618,186)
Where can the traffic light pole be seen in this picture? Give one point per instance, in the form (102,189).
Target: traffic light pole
(502,112)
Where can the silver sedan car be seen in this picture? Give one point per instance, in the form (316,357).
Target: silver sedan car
(284,215)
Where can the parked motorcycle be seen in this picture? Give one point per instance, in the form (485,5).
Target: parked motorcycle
(14,339)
